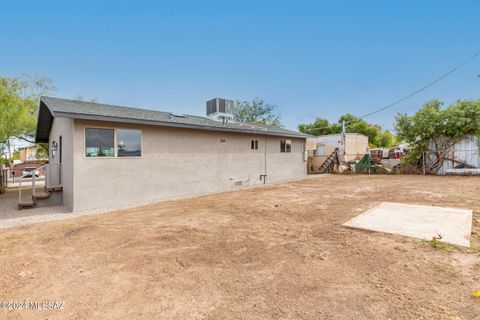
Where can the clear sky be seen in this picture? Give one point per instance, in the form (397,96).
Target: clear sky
(310,58)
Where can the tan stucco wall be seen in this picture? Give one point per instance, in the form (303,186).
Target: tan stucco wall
(176,163)
(62,127)
(355,144)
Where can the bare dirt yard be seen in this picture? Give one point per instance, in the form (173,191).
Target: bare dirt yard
(271,252)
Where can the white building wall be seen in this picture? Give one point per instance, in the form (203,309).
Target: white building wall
(62,174)
(177,163)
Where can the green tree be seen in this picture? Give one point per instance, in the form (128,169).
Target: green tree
(320,127)
(442,127)
(356,125)
(19,106)
(16,155)
(376,137)
(256,111)
(386,139)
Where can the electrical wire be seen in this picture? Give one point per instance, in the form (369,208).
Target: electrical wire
(428,85)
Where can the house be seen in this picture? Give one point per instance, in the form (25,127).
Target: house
(463,157)
(104,156)
(321,147)
(32,153)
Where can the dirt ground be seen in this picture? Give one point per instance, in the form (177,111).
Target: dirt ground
(271,252)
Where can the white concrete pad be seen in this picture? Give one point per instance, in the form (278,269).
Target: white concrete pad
(423,222)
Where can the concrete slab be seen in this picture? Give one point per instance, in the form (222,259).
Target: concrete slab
(423,222)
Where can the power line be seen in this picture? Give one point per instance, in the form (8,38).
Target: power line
(425,86)
(428,85)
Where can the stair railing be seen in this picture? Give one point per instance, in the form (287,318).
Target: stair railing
(45,168)
(34,180)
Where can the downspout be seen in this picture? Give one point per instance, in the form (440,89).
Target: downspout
(264,175)
(265,155)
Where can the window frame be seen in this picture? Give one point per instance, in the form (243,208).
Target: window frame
(254,144)
(317,153)
(116,145)
(286,142)
(114,142)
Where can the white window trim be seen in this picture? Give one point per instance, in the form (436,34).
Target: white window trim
(114,142)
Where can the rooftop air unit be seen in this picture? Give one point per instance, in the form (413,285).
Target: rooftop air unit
(220,109)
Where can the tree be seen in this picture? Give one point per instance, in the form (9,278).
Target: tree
(256,111)
(320,127)
(386,139)
(376,137)
(16,155)
(19,106)
(441,127)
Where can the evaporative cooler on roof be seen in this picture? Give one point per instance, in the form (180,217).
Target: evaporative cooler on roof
(219,105)
(220,109)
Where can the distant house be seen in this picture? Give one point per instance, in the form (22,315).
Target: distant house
(32,153)
(31,158)
(105,156)
(462,157)
(321,147)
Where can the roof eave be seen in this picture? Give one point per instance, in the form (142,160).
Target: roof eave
(44,123)
(171,124)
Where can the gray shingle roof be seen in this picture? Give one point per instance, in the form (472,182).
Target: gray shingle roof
(55,107)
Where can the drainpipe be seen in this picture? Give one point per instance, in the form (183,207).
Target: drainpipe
(265,160)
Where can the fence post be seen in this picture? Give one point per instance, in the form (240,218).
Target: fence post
(33,184)
(20,191)
(424,162)
(369,163)
(2,179)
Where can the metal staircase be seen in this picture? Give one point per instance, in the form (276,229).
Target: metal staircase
(329,163)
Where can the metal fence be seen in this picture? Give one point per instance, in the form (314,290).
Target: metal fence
(452,161)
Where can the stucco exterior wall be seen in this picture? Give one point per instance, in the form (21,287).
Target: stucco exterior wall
(62,173)
(176,163)
(355,144)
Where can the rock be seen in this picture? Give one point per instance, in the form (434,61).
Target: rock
(23,274)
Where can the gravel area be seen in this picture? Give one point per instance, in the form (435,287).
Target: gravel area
(10,216)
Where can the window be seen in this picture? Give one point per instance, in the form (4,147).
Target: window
(320,149)
(254,145)
(285,145)
(129,143)
(102,142)
(99,142)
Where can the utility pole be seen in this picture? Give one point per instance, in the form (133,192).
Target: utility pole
(343,140)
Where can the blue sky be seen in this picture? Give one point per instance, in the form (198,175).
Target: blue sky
(310,58)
